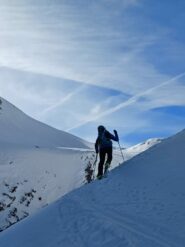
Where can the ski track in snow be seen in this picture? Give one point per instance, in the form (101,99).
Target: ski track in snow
(106,227)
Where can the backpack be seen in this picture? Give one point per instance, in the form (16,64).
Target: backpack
(104,140)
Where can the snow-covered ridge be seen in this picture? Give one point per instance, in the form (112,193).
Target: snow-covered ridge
(34,170)
(141,147)
(39,164)
(19,129)
(141,203)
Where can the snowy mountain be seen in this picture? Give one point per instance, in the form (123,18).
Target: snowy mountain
(18,128)
(141,203)
(35,169)
(39,164)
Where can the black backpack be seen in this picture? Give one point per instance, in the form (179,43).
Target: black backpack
(103,139)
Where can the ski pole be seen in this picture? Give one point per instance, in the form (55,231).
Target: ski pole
(119,145)
(94,166)
(121,150)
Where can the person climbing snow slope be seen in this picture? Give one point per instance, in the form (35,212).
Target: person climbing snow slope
(103,146)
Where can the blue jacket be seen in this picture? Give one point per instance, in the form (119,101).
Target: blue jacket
(105,141)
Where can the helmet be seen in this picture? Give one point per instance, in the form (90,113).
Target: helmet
(101,128)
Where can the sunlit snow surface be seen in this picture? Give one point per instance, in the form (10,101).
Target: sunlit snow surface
(141,203)
(39,164)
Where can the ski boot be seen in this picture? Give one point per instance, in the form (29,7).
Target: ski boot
(106,170)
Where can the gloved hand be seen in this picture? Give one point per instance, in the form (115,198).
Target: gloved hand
(115,132)
(116,135)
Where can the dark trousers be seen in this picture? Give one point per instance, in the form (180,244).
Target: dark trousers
(103,153)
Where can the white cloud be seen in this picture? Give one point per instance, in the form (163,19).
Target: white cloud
(91,42)
(152,93)
(79,43)
(62,101)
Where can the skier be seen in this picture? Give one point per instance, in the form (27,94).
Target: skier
(103,146)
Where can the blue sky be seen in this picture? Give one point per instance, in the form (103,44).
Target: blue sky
(75,64)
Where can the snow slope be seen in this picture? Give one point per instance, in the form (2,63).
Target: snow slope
(34,169)
(19,129)
(39,164)
(141,203)
(139,148)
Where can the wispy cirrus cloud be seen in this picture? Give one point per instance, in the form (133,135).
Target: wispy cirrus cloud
(133,100)
(89,42)
(83,62)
